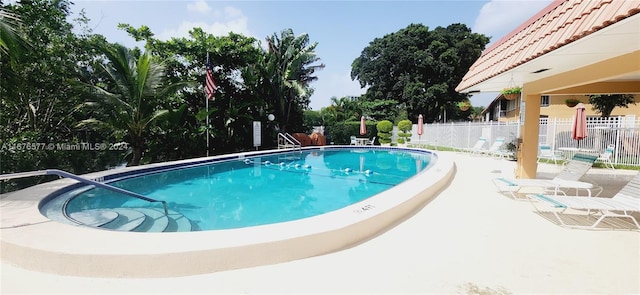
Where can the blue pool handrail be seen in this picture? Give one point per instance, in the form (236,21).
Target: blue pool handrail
(83,180)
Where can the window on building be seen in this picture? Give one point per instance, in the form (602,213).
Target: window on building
(544,101)
(512,105)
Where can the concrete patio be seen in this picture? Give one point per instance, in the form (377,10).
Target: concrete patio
(469,240)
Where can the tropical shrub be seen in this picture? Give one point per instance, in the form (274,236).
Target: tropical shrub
(384,131)
(405,127)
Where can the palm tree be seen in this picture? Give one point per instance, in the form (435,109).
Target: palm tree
(131,95)
(11,43)
(289,66)
(347,109)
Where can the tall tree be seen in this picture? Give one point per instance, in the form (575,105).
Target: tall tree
(11,42)
(419,68)
(40,96)
(235,104)
(289,67)
(605,103)
(131,95)
(37,100)
(37,104)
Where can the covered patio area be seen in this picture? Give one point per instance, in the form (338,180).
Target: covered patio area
(568,48)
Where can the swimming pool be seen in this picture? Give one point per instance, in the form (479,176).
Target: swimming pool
(33,241)
(242,192)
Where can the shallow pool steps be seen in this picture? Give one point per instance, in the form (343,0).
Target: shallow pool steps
(155,221)
(95,218)
(134,219)
(127,220)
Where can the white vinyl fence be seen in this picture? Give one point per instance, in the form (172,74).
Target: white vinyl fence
(623,132)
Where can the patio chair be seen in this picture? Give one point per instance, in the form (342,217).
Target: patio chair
(545,152)
(567,179)
(354,141)
(495,146)
(497,149)
(621,205)
(477,148)
(606,156)
(371,141)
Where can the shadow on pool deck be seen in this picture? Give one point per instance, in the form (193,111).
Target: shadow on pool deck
(611,182)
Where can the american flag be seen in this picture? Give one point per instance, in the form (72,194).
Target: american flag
(210,86)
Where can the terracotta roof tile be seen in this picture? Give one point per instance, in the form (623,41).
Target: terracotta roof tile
(558,24)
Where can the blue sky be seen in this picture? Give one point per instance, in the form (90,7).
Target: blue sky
(341,28)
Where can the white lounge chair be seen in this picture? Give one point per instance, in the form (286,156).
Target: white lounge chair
(497,149)
(568,178)
(621,205)
(495,146)
(477,148)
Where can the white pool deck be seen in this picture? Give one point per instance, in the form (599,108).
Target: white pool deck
(469,238)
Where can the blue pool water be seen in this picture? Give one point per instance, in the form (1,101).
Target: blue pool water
(263,190)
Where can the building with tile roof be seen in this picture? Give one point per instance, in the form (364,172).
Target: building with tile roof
(571,47)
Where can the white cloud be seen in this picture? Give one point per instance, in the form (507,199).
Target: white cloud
(227,20)
(499,17)
(199,6)
(232,12)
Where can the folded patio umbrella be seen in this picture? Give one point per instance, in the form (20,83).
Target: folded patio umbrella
(579,128)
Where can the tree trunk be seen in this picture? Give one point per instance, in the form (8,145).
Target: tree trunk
(137,145)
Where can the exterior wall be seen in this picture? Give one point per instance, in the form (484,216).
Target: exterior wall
(513,111)
(512,116)
(557,108)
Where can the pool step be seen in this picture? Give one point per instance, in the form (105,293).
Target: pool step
(95,218)
(155,221)
(134,219)
(178,222)
(127,220)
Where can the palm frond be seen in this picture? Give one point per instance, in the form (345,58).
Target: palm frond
(155,116)
(92,123)
(11,43)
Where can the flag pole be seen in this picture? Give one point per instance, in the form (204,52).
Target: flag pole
(206,102)
(206,99)
(209,88)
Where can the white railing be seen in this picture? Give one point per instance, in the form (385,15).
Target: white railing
(85,181)
(623,132)
(286,140)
